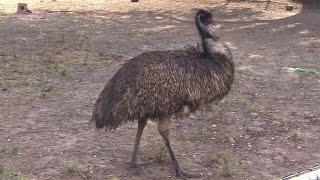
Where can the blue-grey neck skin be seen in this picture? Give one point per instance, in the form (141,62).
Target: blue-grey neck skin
(210,42)
(204,30)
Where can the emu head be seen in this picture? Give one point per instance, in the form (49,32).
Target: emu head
(203,21)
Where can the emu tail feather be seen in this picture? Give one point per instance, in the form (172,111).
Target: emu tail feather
(97,115)
(102,115)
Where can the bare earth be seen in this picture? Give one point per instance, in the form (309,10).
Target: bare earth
(55,62)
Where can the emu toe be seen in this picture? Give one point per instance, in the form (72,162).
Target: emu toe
(137,164)
(183,173)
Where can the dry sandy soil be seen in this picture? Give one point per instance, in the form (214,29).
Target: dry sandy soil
(55,62)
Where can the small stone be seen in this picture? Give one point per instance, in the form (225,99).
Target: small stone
(289,8)
(309,116)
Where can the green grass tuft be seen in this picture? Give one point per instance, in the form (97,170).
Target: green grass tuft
(29,82)
(27,69)
(303,70)
(2,82)
(8,173)
(114,178)
(45,92)
(160,153)
(69,167)
(63,69)
(226,164)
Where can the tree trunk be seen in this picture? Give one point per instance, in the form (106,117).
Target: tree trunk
(23,8)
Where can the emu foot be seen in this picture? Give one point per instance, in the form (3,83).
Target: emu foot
(136,164)
(185,174)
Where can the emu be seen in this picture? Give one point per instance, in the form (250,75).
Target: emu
(159,84)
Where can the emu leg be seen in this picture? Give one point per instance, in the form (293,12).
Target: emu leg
(141,125)
(163,128)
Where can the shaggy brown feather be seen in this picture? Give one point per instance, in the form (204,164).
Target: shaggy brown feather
(156,84)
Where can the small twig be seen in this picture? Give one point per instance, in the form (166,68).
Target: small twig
(34,131)
(82,175)
(268,3)
(50,11)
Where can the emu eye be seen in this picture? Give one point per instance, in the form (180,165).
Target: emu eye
(201,17)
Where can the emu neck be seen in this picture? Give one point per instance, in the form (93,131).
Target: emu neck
(212,48)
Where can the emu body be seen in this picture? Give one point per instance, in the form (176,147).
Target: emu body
(156,85)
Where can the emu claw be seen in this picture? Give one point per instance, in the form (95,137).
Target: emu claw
(185,174)
(139,165)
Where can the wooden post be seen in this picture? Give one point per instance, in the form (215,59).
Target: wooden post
(22,8)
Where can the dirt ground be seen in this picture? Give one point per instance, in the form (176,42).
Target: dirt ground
(55,62)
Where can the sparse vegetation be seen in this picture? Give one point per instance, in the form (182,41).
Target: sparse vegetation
(295,137)
(245,69)
(209,161)
(62,69)
(82,37)
(69,167)
(9,174)
(226,164)
(15,150)
(230,135)
(251,107)
(160,154)
(316,128)
(29,69)
(223,161)
(204,132)
(304,70)
(115,178)
(14,54)
(29,82)
(1,81)
(46,91)
(6,171)
(43,94)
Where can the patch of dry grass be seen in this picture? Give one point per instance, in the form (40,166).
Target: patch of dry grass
(70,167)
